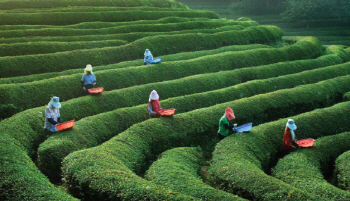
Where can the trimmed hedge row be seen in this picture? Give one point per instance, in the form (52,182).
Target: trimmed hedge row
(141,143)
(67,87)
(137,62)
(31,64)
(15,4)
(46,47)
(305,168)
(66,31)
(342,171)
(32,136)
(177,169)
(240,161)
(84,135)
(20,178)
(98,25)
(66,18)
(130,37)
(347,96)
(90,9)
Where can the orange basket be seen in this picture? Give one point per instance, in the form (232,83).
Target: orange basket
(167,112)
(65,125)
(306,142)
(97,90)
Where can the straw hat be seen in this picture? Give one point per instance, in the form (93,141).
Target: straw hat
(291,125)
(88,68)
(55,102)
(154,95)
(229,114)
(148,53)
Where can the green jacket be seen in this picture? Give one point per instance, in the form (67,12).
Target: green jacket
(222,129)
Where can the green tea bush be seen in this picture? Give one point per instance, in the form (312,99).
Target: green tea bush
(305,169)
(98,25)
(27,126)
(46,47)
(90,9)
(67,87)
(240,161)
(31,64)
(342,170)
(130,28)
(130,37)
(15,4)
(66,18)
(141,143)
(347,96)
(137,62)
(84,135)
(20,178)
(178,168)
(8,110)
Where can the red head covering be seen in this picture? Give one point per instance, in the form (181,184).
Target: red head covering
(229,114)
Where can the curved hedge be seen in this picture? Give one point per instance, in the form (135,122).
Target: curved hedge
(66,18)
(20,178)
(46,47)
(31,64)
(130,28)
(90,9)
(137,62)
(141,143)
(68,87)
(130,37)
(98,25)
(240,160)
(347,96)
(76,108)
(342,171)
(305,168)
(84,135)
(177,169)
(14,4)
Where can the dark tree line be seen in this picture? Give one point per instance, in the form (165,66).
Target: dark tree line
(308,10)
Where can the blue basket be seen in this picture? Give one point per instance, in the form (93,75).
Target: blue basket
(245,128)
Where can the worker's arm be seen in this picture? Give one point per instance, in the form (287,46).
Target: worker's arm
(52,121)
(292,134)
(150,108)
(228,126)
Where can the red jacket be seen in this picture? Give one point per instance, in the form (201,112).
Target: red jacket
(287,140)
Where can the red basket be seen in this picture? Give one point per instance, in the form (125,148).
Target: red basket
(306,142)
(167,112)
(97,90)
(65,125)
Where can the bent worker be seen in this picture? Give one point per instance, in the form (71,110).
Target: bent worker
(154,108)
(289,141)
(148,58)
(224,126)
(52,114)
(88,80)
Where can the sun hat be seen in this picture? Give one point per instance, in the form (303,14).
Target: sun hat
(55,102)
(148,53)
(291,125)
(88,68)
(229,114)
(154,95)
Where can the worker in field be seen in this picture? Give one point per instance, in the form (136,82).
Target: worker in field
(289,141)
(224,127)
(148,58)
(88,80)
(154,108)
(52,114)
